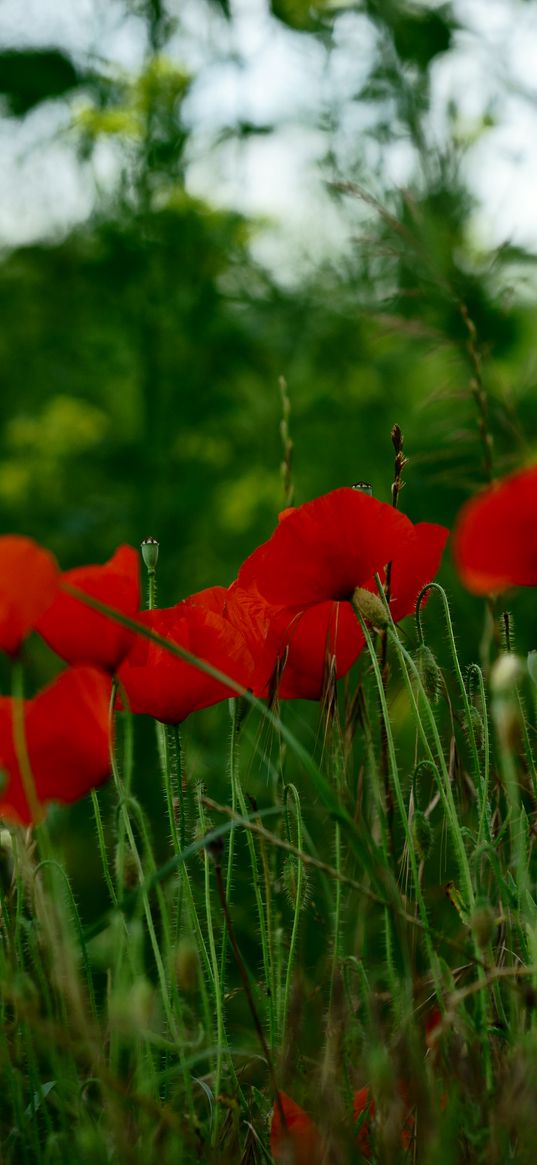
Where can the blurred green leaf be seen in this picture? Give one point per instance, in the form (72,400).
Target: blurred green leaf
(300,15)
(31,76)
(422,35)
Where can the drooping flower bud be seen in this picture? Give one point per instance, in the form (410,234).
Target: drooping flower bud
(363,487)
(429,672)
(477,725)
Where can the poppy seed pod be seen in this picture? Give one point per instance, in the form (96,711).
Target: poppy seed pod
(150,549)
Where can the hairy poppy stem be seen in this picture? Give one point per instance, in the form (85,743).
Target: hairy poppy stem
(287,443)
(397,485)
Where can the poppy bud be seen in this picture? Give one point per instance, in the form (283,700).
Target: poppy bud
(429,672)
(127,869)
(532,665)
(505,674)
(363,487)
(150,549)
(504,678)
(477,725)
(370,607)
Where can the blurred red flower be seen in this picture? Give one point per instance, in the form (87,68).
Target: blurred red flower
(160,684)
(495,539)
(79,634)
(364,1107)
(303,1143)
(28,581)
(311,566)
(67,735)
(300,1143)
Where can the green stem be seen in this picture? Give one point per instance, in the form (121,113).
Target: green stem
(484,809)
(234,780)
(261,914)
(291,790)
(394,776)
(221,1041)
(103,853)
(446,793)
(433,586)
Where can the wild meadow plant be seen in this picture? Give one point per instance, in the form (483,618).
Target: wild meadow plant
(335,962)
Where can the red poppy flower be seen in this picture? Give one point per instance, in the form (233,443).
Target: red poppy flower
(80,635)
(300,1143)
(495,541)
(254,620)
(28,580)
(364,1110)
(67,734)
(311,566)
(160,684)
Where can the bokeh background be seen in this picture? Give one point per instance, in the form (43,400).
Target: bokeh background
(200,198)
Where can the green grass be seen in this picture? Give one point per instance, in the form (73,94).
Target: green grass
(288,925)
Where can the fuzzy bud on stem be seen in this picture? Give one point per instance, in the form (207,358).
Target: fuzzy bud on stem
(370,607)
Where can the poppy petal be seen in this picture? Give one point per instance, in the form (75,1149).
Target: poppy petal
(325,549)
(67,733)
(159,684)
(300,1143)
(28,581)
(495,540)
(419,564)
(80,635)
(309,641)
